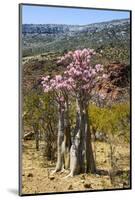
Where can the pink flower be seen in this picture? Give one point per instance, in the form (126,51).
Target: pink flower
(99,67)
(72,70)
(78,75)
(46,78)
(70,80)
(93,71)
(58,77)
(76,54)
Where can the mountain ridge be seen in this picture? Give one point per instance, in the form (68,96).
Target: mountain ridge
(42,38)
(83,25)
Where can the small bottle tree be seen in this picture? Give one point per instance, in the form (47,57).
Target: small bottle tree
(59,88)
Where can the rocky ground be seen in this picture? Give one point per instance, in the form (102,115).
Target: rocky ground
(36,176)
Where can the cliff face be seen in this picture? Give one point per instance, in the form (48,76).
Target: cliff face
(120,25)
(39,38)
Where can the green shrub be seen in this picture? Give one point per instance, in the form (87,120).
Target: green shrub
(113,120)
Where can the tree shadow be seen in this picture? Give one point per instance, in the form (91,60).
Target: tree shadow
(107,172)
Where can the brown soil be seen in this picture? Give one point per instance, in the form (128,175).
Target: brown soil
(36,170)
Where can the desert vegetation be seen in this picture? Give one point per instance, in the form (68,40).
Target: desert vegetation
(76,119)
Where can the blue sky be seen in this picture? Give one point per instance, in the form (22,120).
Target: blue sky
(53,15)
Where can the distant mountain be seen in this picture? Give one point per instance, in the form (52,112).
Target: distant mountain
(41,38)
(63,29)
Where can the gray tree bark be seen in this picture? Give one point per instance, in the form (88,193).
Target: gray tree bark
(91,165)
(67,138)
(64,140)
(60,140)
(77,164)
(36,132)
(81,153)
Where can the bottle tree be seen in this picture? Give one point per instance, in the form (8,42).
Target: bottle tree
(58,87)
(79,79)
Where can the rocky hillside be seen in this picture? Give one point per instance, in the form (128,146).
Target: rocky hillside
(72,30)
(44,43)
(40,38)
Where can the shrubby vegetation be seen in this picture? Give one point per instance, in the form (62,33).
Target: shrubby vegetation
(113,120)
(40,117)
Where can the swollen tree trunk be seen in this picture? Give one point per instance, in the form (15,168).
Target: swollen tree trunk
(67,138)
(91,166)
(77,152)
(64,139)
(81,154)
(82,150)
(60,140)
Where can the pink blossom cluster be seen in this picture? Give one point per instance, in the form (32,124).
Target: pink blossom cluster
(57,83)
(79,75)
(84,54)
(80,70)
